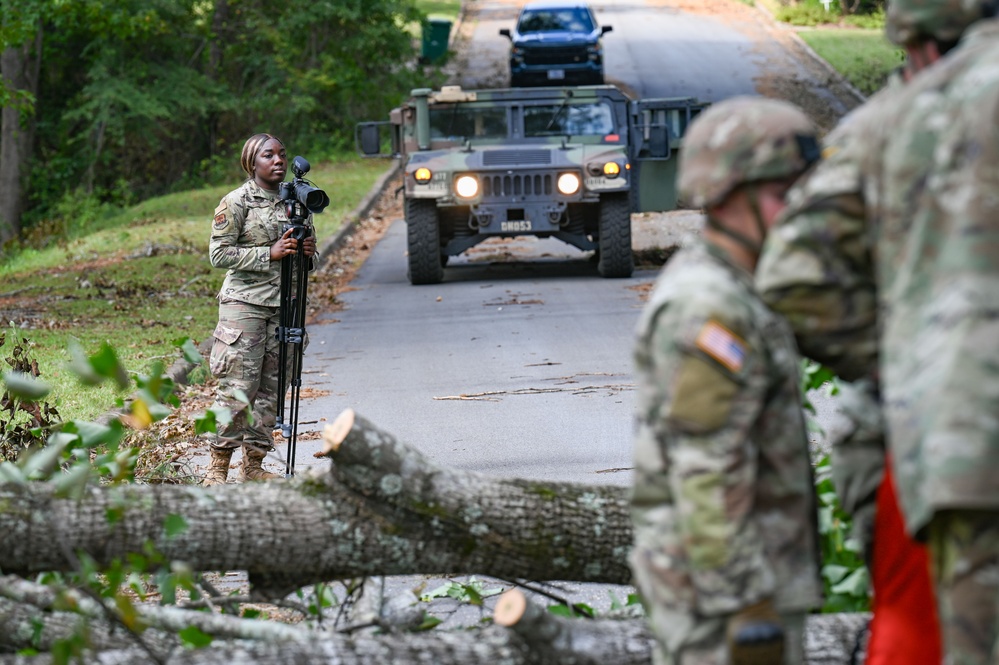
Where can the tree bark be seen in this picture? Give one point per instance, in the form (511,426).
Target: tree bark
(383,509)
(19,69)
(524,634)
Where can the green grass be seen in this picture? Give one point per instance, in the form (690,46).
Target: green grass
(854,45)
(864,57)
(440,8)
(138,279)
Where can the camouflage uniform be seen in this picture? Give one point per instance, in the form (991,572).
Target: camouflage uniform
(924,269)
(244,355)
(723,504)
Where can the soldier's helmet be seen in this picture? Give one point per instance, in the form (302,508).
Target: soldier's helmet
(946,20)
(743,140)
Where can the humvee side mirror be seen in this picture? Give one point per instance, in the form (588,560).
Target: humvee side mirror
(369,138)
(605,29)
(506,33)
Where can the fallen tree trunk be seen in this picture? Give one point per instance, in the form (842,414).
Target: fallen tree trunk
(524,634)
(383,509)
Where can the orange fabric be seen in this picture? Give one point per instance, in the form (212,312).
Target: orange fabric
(905,627)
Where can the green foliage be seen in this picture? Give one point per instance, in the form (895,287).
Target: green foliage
(473,592)
(807,14)
(616,604)
(139,97)
(25,416)
(572,610)
(871,21)
(193,637)
(844,576)
(322,597)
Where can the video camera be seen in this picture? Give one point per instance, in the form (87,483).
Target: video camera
(301,190)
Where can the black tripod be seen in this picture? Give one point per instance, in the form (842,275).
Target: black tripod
(291,330)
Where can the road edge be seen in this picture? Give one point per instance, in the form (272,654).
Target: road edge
(349,225)
(822,62)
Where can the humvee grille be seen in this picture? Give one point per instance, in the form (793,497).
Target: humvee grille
(526,184)
(516,157)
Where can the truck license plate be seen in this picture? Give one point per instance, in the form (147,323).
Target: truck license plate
(556,74)
(524,225)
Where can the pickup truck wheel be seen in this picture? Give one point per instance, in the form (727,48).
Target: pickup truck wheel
(615,257)
(423,236)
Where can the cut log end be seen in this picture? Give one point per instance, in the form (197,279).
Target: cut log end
(335,433)
(510,608)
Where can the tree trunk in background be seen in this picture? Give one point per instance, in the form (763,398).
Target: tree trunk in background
(216,52)
(19,69)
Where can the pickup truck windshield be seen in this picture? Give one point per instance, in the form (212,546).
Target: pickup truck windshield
(593,119)
(573,19)
(461,121)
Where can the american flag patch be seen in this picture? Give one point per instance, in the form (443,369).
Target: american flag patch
(722,344)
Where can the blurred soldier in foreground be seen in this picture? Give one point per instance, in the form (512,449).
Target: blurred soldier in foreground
(725,549)
(887,268)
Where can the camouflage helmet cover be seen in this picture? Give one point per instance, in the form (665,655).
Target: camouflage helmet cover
(742,140)
(946,20)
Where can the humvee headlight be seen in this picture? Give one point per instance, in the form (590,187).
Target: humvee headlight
(612,169)
(568,183)
(466,186)
(423,175)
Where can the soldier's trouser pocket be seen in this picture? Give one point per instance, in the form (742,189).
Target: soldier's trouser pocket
(225,360)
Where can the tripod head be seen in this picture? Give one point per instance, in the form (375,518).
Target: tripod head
(302,192)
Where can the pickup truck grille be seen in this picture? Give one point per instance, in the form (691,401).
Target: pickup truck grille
(528,185)
(555,55)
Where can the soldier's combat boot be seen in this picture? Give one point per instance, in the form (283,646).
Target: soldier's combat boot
(253,457)
(218,468)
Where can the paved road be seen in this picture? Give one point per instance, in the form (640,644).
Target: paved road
(525,330)
(709,49)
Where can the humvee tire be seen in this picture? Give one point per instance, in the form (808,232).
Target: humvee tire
(423,237)
(614,228)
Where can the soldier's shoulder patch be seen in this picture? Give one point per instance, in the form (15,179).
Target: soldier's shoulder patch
(220,215)
(722,345)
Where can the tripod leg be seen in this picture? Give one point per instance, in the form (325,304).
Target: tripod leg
(285,318)
(297,341)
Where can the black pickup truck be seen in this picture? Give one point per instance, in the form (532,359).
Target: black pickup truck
(556,43)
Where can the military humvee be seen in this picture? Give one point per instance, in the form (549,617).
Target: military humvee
(570,163)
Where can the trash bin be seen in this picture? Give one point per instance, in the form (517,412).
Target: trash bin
(436,32)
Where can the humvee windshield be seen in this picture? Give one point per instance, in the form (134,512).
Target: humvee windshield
(464,122)
(574,119)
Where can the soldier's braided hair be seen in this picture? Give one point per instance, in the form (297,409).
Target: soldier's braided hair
(251,148)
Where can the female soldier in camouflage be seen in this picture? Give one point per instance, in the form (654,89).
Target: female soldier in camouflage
(726,553)
(249,240)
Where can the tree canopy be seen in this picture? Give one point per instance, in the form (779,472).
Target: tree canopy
(137,97)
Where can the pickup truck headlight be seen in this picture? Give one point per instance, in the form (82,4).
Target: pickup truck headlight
(568,183)
(466,186)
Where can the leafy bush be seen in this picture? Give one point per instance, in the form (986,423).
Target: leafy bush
(845,580)
(24,415)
